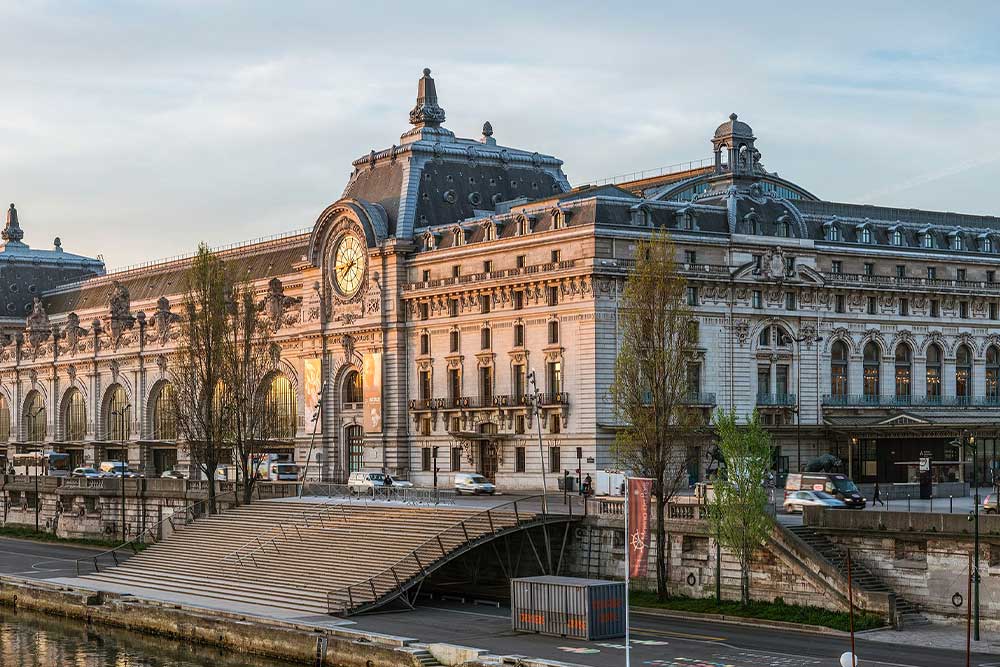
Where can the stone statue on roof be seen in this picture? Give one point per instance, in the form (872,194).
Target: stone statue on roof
(163,319)
(73,332)
(37,326)
(12,230)
(121,317)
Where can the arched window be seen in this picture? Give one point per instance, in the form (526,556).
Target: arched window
(75,416)
(279,406)
(781,228)
(904,363)
(352,392)
(164,414)
(34,417)
(834,233)
(897,237)
(934,372)
(838,369)
(992,374)
(865,236)
(117,415)
(425,343)
(928,240)
(963,373)
(4,420)
(872,359)
(987,244)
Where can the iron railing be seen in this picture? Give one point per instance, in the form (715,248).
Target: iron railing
(775,399)
(490,275)
(865,400)
(272,537)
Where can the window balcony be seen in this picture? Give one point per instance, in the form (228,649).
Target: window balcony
(701,398)
(487,402)
(864,400)
(776,400)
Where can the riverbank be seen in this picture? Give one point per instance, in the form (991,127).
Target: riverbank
(298,643)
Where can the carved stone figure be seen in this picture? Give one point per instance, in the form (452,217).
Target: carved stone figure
(121,317)
(276,303)
(73,333)
(163,319)
(37,327)
(773,265)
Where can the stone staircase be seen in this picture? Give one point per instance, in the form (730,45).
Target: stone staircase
(293,555)
(907,614)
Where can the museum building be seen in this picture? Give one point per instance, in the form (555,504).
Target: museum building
(459,283)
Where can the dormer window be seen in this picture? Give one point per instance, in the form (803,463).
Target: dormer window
(489,231)
(781,228)
(897,237)
(987,244)
(957,243)
(459,236)
(865,235)
(830,231)
(928,240)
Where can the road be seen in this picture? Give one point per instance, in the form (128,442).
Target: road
(39,560)
(657,641)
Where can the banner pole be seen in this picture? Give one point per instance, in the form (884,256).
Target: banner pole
(628,570)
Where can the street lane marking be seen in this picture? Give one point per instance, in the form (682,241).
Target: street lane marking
(682,635)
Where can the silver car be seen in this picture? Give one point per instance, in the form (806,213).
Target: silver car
(799,499)
(474,483)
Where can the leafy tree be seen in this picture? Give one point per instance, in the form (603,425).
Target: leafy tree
(650,387)
(739,506)
(197,375)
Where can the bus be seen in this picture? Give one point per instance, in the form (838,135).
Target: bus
(55,464)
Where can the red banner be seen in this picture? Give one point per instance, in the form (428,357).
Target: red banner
(638,537)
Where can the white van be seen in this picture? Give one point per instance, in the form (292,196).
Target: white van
(364,482)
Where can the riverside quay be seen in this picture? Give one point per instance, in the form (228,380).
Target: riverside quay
(456,277)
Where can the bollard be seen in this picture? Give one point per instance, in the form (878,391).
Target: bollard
(951,504)
(932,502)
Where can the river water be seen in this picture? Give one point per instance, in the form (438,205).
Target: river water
(33,640)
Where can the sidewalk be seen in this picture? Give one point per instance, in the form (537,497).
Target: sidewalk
(945,635)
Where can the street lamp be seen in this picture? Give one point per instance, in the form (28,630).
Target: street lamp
(968,442)
(798,395)
(122,415)
(537,399)
(38,463)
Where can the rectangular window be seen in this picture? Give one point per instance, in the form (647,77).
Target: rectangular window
(555,424)
(553,332)
(556,256)
(872,305)
(452,307)
(781,380)
(555,460)
(991,276)
(426,276)
(456,459)
(425,385)
(553,375)
(488,266)
(425,344)
(454,384)
(692,296)
(519,261)
(900,270)
(519,300)
(758,299)
(963,309)
(935,308)
(519,424)
(763,381)
(960,274)
(789,300)
(552,295)
(694,379)
(931,273)
(869,269)
(425,459)
(424,311)
(904,306)
(456,271)
(519,465)
(837,266)
(453,341)
(518,335)
(425,426)
(757,259)
(517,381)
(484,303)
(841,305)
(486,385)
(993,311)
(690,257)
(484,338)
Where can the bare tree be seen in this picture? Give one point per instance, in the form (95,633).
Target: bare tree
(739,516)
(650,388)
(198,373)
(249,359)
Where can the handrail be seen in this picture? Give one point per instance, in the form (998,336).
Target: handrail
(132,544)
(436,539)
(326,508)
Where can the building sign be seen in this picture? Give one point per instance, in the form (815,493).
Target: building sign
(372,377)
(925,461)
(312,384)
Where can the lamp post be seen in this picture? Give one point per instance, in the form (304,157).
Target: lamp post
(798,396)
(537,399)
(968,442)
(434,455)
(312,439)
(122,415)
(38,463)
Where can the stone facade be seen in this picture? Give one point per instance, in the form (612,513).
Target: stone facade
(417,309)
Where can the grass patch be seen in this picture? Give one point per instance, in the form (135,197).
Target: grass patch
(28,533)
(770,611)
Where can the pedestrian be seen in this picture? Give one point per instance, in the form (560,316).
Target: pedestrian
(588,485)
(877,497)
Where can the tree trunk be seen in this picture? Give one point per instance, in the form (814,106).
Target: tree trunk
(248,484)
(661,547)
(211,492)
(744,582)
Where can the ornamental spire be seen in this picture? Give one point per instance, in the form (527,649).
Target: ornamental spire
(426,113)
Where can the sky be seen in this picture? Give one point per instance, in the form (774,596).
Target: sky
(134,130)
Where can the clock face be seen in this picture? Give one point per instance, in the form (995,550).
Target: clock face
(349,264)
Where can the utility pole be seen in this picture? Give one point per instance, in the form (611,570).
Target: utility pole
(968,442)
(537,398)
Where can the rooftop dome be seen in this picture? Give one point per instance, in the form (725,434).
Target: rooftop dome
(735,128)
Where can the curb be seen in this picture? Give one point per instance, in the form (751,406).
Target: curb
(745,621)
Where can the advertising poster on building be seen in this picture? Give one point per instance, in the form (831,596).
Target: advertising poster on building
(637,541)
(372,377)
(312,373)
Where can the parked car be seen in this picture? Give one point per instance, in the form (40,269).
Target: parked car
(398,483)
(799,499)
(364,482)
(836,484)
(470,482)
(116,469)
(990,503)
(89,473)
(173,474)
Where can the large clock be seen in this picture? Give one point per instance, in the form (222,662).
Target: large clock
(349,257)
